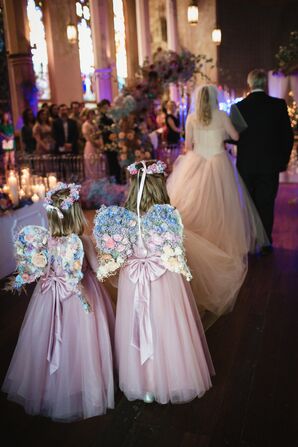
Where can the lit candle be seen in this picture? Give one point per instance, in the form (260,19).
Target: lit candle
(52,181)
(35,198)
(41,191)
(6,189)
(13,188)
(22,194)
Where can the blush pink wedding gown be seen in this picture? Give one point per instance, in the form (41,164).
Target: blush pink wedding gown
(221,222)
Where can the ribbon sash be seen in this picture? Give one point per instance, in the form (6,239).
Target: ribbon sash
(61,291)
(142,271)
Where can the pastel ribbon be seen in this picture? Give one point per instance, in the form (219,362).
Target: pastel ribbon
(141,272)
(61,291)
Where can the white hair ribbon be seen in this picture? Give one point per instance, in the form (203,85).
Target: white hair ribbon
(140,193)
(55,208)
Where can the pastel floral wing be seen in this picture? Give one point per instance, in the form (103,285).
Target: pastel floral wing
(115,232)
(31,250)
(163,229)
(72,255)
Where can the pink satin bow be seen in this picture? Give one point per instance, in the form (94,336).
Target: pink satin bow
(61,291)
(141,272)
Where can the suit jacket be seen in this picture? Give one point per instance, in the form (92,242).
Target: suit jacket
(265,146)
(103,122)
(59,135)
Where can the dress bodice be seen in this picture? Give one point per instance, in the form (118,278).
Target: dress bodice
(208,141)
(118,239)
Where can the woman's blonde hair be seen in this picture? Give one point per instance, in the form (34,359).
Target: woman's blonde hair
(206,101)
(203,109)
(73,218)
(154,193)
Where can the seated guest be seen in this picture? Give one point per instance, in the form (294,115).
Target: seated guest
(65,132)
(104,124)
(42,133)
(27,138)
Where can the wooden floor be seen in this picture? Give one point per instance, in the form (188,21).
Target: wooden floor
(254,399)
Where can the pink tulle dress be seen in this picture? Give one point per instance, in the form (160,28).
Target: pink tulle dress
(62,366)
(221,222)
(161,347)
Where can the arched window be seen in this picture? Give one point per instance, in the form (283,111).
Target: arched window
(38,49)
(120,41)
(85,49)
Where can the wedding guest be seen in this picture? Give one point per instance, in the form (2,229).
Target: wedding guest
(172,123)
(27,138)
(264,148)
(92,147)
(53,113)
(75,114)
(65,132)
(8,141)
(104,124)
(45,106)
(42,132)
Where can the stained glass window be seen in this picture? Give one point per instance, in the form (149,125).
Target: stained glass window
(85,49)
(38,49)
(120,40)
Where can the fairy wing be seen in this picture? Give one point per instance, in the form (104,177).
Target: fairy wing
(31,251)
(115,232)
(163,229)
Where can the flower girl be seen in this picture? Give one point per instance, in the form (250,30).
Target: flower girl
(161,350)
(62,366)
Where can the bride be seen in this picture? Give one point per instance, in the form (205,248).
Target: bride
(221,223)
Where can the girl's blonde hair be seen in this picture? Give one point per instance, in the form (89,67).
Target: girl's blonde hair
(73,218)
(206,101)
(154,193)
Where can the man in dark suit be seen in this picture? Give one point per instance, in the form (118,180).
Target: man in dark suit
(104,123)
(65,132)
(264,147)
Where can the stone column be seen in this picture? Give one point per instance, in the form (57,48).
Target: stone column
(104,48)
(63,57)
(143,31)
(173,42)
(20,69)
(129,7)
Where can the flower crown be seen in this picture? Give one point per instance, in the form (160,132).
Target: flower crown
(68,201)
(156,168)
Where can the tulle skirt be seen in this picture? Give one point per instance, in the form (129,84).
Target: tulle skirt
(83,385)
(181,365)
(221,227)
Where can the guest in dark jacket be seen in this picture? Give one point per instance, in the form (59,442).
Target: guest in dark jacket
(264,147)
(65,132)
(28,140)
(104,123)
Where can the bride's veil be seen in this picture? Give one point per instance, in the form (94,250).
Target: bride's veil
(213,97)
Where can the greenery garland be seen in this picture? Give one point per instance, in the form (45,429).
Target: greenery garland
(287,56)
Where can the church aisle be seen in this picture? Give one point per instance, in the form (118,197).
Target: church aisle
(254,397)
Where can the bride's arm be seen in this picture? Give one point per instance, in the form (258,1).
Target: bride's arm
(188,134)
(229,128)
